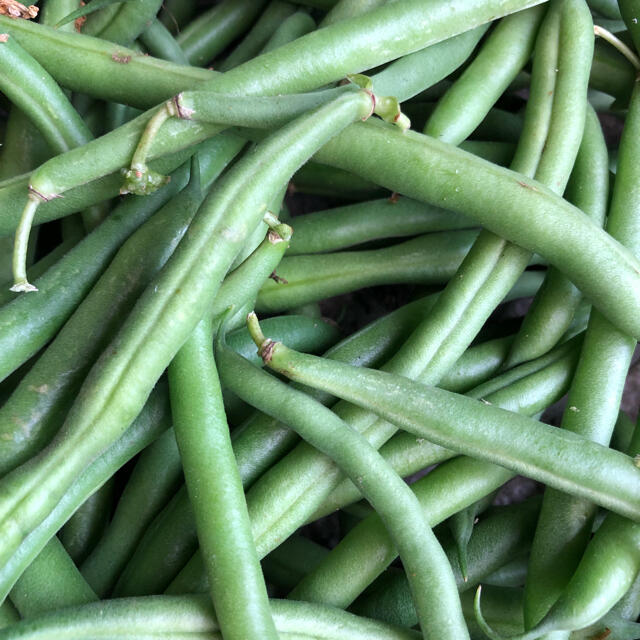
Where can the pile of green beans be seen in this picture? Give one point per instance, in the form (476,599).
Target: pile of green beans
(319,318)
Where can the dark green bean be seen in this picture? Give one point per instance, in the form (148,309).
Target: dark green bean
(503,534)
(294,26)
(155,477)
(274,14)
(293,559)
(131,19)
(630,10)
(209,34)
(177,13)
(85,527)
(160,43)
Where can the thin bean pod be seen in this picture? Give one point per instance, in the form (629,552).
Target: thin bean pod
(130,21)
(278,507)
(503,534)
(429,259)
(36,592)
(152,421)
(501,58)
(605,573)
(534,452)
(265,26)
(294,26)
(342,227)
(214,486)
(429,572)
(160,43)
(210,33)
(155,477)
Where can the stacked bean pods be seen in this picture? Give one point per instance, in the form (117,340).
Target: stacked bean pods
(317,318)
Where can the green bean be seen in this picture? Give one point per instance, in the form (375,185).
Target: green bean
(130,21)
(605,573)
(310,334)
(461,526)
(99,20)
(612,73)
(503,534)
(501,58)
(160,43)
(156,476)
(177,13)
(259,443)
(429,259)
(51,582)
(555,303)
(530,452)
(152,421)
(278,507)
(608,8)
(428,570)
(592,408)
(213,482)
(85,527)
(274,14)
(125,374)
(185,617)
(317,179)
(342,227)
(8,614)
(630,11)
(295,557)
(29,322)
(295,26)
(512,574)
(210,33)
(29,86)
(345,9)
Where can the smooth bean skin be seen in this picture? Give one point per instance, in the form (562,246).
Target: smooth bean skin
(430,259)
(28,85)
(160,43)
(349,46)
(51,582)
(150,424)
(630,10)
(528,453)
(206,36)
(156,476)
(430,576)
(183,617)
(502,534)
(558,231)
(349,225)
(555,304)
(130,21)
(264,27)
(501,58)
(293,27)
(236,583)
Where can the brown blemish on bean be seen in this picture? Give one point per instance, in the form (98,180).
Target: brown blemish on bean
(120,59)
